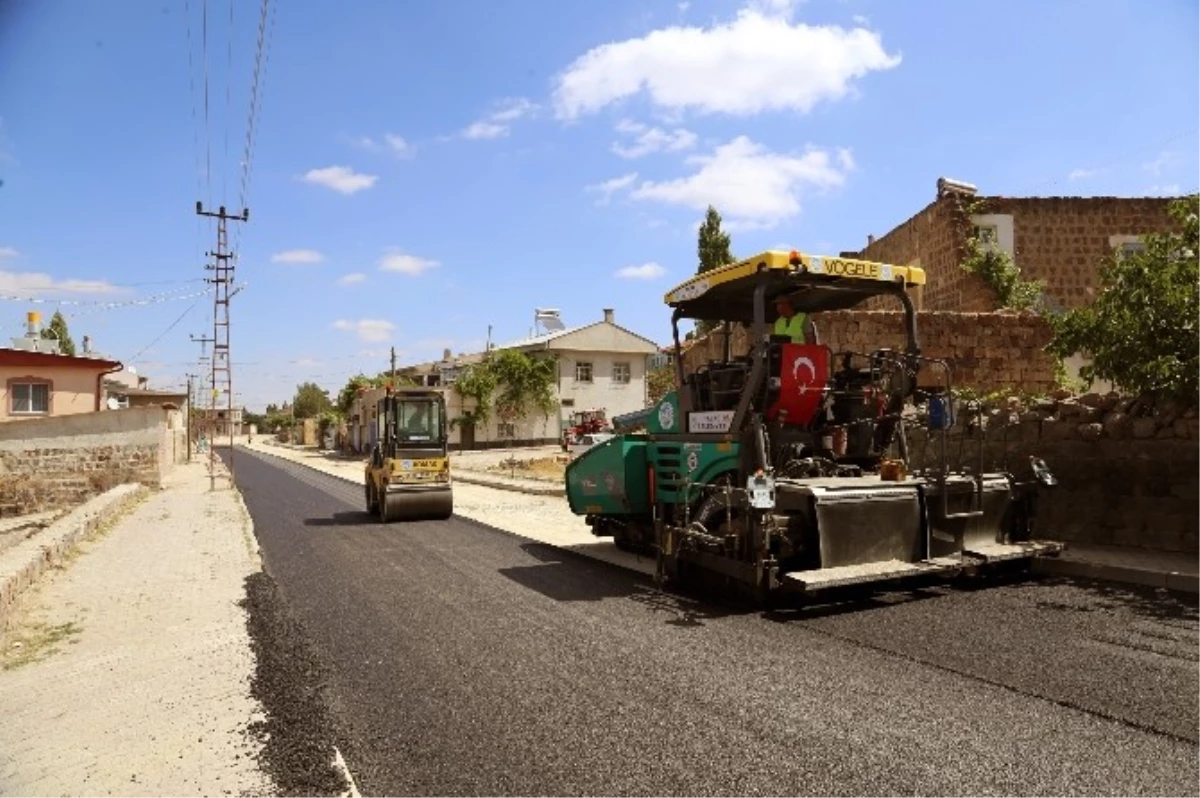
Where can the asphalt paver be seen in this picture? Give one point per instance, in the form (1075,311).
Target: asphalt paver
(466,660)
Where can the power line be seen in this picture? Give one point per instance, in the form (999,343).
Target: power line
(1116,161)
(207,134)
(228,105)
(164,332)
(262,57)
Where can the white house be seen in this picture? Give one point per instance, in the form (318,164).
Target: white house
(600,366)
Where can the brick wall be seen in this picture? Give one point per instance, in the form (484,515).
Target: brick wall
(1065,240)
(50,463)
(1126,469)
(986,351)
(1062,240)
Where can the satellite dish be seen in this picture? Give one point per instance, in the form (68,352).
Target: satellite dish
(113,404)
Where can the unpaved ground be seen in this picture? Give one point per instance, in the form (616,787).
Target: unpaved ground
(127,671)
(543,469)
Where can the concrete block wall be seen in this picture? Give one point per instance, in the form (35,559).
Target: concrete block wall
(51,463)
(986,351)
(1126,467)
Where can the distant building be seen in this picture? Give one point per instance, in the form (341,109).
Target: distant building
(1061,240)
(599,366)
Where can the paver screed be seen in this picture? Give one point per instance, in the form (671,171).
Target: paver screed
(128,670)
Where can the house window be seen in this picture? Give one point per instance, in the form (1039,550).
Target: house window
(29,397)
(987,235)
(506,429)
(583,372)
(620,373)
(568,402)
(1132,248)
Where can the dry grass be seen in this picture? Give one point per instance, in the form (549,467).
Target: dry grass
(547,469)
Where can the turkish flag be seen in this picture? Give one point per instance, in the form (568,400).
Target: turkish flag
(803,374)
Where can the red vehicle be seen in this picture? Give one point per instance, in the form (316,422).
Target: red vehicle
(581,423)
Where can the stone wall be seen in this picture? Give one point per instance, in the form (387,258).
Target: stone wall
(49,463)
(986,351)
(1126,468)
(1061,240)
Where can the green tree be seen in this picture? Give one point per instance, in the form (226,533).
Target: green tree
(57,330)
(311,400)
(713,251)
(509,384)
(998,269)
(660,382)
(1141,331)
(353,386)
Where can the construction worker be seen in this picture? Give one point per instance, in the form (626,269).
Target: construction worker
(790,323)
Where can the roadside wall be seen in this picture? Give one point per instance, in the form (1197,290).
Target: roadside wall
(986,351)
(50,463)
(1126,468)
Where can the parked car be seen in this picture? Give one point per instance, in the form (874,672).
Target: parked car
(588,440)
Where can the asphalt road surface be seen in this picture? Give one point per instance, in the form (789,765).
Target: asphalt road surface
(457,659)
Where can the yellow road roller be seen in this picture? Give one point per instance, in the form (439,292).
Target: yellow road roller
(408,475)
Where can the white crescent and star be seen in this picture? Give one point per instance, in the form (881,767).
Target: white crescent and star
(812,372)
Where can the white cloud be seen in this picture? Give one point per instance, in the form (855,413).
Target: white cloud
(297,256)
(1156,166)
(353,278)
(754,187)
(34,284)
(340,178)
(647,271)
(651,139)
(367,143)
(860,19)
(498,123)
(1080,174)
(758,62)
(485,130)
(8,252)
(398,145)
(368,330)
(396,261)
(608,187)
(1168,190)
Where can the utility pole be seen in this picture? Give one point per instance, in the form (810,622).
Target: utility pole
(208,428)
(191,409)
(393,368)
(222,366)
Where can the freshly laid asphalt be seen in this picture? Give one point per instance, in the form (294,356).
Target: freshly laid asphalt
(457,659)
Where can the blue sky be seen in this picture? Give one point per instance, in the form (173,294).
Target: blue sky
(421,171)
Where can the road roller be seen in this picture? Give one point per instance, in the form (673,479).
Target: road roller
(408,475)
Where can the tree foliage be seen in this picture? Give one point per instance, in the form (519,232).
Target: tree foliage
(660,382)
(311,401)
(57,330)
(1141,331)
(712,249)
(509,383)
(998,269)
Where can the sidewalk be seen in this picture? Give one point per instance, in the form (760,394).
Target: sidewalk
(1170,570)
(127,669)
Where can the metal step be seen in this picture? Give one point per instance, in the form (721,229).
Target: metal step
(886,570)
(998,552)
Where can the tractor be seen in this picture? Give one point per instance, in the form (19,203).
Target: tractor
(408,473)
(583,422)
(786,470)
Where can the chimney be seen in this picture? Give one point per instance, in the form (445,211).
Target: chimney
(446,355)
(87,344)
(870,240)
(608,316)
